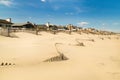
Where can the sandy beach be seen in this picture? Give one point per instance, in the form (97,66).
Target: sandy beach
(98,59)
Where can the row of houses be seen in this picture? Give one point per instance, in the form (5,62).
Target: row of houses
(7,23)
(48,27)
(29,25)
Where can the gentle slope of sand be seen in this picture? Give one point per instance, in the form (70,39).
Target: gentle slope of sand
(98,60)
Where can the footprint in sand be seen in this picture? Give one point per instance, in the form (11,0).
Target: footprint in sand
(7,64)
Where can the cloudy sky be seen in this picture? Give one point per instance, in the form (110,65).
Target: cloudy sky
(101,14)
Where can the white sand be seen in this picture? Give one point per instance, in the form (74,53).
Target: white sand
(99,60)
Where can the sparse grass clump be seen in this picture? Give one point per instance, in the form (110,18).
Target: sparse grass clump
(80,44)
(60,57)
(92,40)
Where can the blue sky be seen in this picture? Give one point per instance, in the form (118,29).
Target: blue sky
(101,14)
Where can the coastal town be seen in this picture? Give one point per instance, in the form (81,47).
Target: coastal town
(7,27)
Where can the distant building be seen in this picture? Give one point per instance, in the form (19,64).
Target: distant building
(27,25)
(48,25)
(71,27)
(51,26)
(42,27)
(61,28)
(5,23)
(5,26)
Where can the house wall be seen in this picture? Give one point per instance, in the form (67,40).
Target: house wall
(5,25)
(28,26)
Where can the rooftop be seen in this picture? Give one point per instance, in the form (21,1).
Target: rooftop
(4,21)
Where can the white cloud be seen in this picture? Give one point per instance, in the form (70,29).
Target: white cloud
(81,24)
(60,0)
(116,23)
(30,17)
(69,13)
(56,7)
(43,0)
(103,24)
(7,3)
(78,10)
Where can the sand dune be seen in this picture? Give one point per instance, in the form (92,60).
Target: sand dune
(97,60)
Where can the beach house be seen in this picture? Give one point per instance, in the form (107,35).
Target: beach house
(41,27)
(5,23)
(26,25)
(5,26)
